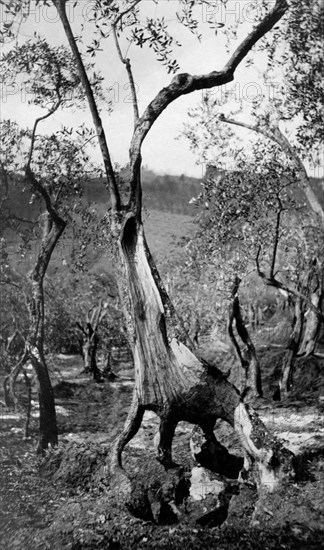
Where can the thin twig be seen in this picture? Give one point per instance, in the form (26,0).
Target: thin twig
(130,8)
(185,83)
(276,237)
(127,64)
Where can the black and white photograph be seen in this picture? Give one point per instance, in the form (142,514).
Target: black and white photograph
(161,274)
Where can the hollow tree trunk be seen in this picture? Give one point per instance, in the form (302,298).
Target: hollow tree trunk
(172,382)
(248,357)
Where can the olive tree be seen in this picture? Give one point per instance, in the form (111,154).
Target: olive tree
(47,170)
(169,379)
(292,84)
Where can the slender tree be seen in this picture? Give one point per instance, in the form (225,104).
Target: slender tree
(35,159)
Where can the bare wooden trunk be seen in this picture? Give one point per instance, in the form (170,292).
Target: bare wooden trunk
(290,354)
(172,382)
(35,350)
(9,382)
(29,404)
(311,328)
(248,356)
(312,322)
(306,328)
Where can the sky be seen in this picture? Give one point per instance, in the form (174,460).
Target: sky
(162,151)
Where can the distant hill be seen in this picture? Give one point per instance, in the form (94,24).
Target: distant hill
(170,193)
(168,216)
(166,193)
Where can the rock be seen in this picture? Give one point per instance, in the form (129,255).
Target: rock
(209,497)
(176,496)
(204,483)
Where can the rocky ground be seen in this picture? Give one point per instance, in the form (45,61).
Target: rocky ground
(66,501)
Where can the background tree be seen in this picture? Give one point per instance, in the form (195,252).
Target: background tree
(35,159)
(267,120)
(253,217)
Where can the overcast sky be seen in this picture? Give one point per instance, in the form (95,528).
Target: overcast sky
(161,151)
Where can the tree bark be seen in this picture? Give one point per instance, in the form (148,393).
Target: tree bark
(35,338)
(172,382)
(288,361)
(248,357)
(11,399)
(312,322)
(29,400)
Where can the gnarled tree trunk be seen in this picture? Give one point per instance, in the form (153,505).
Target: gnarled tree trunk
(172,382)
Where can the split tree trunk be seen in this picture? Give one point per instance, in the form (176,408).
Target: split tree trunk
(173,383)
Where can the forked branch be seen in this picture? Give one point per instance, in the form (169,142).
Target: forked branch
(275,283)
(110,174)
(185,83)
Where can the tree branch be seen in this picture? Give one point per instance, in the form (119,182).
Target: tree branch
(275,134)
(231,321)
(111,180)
(130,8)
(10,283)
(47,199)
(127,64)
(258,32)
(33,136)
(185,83)
(276,237)
(272,281)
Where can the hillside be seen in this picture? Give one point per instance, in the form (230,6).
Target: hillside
(168,214)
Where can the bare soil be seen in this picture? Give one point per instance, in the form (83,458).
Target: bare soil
(65,502)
